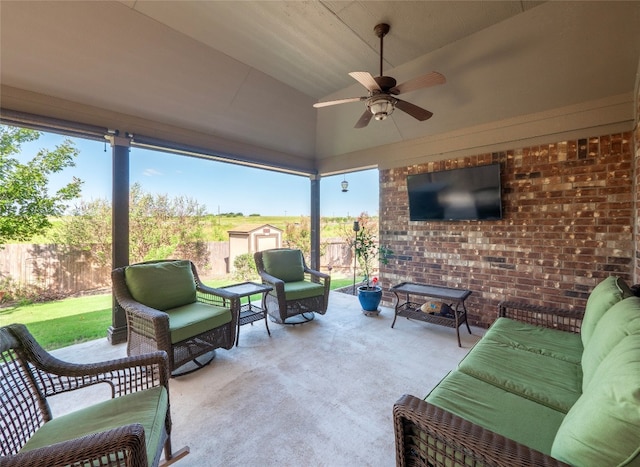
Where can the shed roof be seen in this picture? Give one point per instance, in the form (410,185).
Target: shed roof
(249,228)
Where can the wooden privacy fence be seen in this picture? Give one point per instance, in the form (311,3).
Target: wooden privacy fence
(56,269)
(51,267)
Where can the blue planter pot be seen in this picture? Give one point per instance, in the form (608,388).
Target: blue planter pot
(370,298)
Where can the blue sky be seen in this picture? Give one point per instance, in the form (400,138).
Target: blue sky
(221,187)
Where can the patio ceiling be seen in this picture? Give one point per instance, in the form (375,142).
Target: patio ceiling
(240,78)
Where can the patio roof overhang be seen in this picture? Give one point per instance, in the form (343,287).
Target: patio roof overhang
(237,80)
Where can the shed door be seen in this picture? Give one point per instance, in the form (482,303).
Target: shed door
(267,242)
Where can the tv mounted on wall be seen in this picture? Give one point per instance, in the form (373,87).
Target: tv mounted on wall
(469,193)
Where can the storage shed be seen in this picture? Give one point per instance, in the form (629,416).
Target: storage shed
(251,238)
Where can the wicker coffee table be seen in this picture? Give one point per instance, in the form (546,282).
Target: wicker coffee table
(250,312)
(411,309)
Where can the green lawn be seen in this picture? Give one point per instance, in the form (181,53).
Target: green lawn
(63,322)
(70,321)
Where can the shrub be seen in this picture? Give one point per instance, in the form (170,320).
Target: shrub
(244,267)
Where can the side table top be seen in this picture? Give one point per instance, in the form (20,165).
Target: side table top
(431,291)
(247,288)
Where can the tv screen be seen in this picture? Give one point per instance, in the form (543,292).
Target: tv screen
(470,193)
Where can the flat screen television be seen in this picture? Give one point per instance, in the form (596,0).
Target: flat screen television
(469,193)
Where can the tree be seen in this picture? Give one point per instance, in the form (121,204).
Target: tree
(365,246)
(159,227)
(367,250)
(298,235)
(25,202)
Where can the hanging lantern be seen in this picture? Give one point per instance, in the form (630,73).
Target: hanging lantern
(345,185)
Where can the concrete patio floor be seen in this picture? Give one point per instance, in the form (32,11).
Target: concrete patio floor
(320,393)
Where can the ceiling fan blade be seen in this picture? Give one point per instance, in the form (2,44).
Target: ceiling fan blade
(364,120)
(424,81)
(416,112)
(365,78)
(317,105)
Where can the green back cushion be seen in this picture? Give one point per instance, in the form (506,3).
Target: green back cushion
(549,381)
(603,426)
(284,264)
(621,320)
(162,285)
(606,294)
(550,342)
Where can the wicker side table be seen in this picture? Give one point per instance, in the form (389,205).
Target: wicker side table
(411,310)
(250,312)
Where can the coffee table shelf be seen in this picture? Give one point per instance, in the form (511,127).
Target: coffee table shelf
(410,309)
(250,312)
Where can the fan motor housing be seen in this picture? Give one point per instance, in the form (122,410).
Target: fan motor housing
(385,82)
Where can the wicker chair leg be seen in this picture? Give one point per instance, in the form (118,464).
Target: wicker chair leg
(298,319)
(194,365)
(175,457)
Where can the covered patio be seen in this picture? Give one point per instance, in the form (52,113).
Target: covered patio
(549,90)
(267,402)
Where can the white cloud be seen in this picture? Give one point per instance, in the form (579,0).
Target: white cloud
(151,172)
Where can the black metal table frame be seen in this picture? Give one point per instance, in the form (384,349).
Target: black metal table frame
(449,295)
(250,312)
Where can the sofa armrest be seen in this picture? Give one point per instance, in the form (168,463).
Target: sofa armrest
(213,293)
(428,435)
(277,284)
(319,277)
(105,448)
(549,317)
(220,297)
(316,274)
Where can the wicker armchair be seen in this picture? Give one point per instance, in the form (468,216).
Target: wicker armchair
(168,308)
(134,433)
(297,292)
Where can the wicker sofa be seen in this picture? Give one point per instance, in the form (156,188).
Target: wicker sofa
(542,387)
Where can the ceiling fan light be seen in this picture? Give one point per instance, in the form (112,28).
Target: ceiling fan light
(381,107)
(380,115)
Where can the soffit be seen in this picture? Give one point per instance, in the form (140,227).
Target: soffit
(312,45)
(242,76)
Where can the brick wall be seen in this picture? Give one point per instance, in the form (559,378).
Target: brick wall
(637,184)
(568,221)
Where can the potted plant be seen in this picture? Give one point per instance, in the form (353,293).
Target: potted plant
(367,251)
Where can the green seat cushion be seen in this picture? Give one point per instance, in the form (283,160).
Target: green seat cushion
(284,264)
(301,289)
(604,295)
(621,320)
(162,285)
(603,427)
(148,408)
(546,380)
(190,320)
(493,408)
(537,339)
